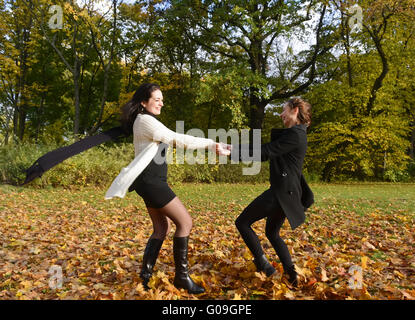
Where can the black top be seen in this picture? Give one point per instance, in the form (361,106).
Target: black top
(287,150)
(156,171)
(286,153)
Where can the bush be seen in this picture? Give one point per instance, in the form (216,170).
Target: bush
(311,177)
(209,173)
(14,159)
(96,166)
(99,166)
(411,170)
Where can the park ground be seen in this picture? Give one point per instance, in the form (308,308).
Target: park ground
(357,243)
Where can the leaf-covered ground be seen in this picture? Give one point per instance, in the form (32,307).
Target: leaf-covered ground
(98,245)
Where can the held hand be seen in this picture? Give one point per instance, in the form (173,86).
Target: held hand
(227,146)
(223,149)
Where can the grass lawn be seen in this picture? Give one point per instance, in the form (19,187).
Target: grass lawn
(97,245)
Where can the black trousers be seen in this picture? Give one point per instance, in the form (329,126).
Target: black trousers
(264,206)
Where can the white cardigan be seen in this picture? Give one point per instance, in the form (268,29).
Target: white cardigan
(148,133)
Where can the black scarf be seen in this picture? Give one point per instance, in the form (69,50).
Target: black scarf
(52,158)
(55,157)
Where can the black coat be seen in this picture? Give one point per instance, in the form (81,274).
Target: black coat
(286,153)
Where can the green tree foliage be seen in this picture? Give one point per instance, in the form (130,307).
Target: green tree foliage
(249,34)
(361,126)
(221,64)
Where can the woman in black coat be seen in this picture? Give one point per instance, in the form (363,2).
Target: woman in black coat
(289,195)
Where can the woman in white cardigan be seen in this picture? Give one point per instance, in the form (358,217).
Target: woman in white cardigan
(139,117)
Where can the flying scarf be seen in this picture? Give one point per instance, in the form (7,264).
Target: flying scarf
(121,183)
(52,158)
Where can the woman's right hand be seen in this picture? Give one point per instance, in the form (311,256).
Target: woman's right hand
(223,149)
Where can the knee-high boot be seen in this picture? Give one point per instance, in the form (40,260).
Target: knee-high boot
(262,264)
(151,253)
(182,278)
(291,274)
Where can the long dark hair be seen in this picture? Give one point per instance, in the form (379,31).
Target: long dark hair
(304,110)
(133,107)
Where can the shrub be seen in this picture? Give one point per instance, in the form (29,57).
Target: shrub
(96,166)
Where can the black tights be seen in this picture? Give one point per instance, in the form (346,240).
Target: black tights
(266,205)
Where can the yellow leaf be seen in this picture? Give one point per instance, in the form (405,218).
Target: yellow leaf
(35,250)
(245,275)
(247,255)
(5,283)
(26,284)
(219,254)
(301,271)
(407,295)
(140,289)
(289,295)
(259,293)
(99,286)
(237,296)
(276,294)
(365,295)
(364,262)
(62,294)
(324,277)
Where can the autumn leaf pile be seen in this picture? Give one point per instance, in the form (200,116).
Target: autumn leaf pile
(99,244)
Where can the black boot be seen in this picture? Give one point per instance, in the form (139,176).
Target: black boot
(151,253)
(292,275)
(262,264)
(182,278)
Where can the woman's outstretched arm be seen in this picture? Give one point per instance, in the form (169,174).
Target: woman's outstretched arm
(156,131)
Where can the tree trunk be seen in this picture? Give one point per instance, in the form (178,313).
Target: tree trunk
(7,127)
(22,109)
(76,75)
(39,116)
(377,39)
(6,138)
(257,113)
(103,100)
(257,106)
(15,120)
(107,68)
(22,122)
(412,146)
